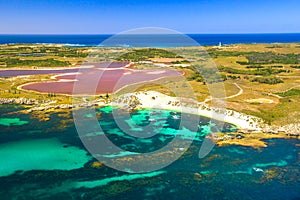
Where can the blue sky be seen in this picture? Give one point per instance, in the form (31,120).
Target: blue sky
(113,16)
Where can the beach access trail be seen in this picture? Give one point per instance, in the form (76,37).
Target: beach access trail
(240,92)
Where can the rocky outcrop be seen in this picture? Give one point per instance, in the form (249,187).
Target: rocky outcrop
(43,105)
(23,101)
(289,129)
(66,106)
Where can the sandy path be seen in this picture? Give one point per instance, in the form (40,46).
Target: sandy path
(229,97)
(237,94)
(279,97)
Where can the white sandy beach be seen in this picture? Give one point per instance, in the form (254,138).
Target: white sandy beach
(152,99)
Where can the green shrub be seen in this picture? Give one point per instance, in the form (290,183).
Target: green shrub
(291,92)
(145,54)
(267,80)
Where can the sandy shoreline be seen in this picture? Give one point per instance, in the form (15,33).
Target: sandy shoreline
(252,131)
(152,99)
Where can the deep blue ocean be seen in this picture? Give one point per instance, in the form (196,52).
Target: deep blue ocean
(171,40)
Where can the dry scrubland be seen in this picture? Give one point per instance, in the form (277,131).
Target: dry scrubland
(260,79)
(277,104)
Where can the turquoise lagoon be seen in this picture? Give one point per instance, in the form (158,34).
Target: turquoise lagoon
(47,160)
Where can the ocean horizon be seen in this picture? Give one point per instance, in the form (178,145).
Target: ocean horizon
(150,40)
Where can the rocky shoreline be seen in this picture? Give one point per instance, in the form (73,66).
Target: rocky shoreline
(22,101)
(246,124)
(43,105)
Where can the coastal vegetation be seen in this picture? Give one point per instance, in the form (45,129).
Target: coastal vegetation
(259,71)
(207,76)
(266,75)
(144,54)
(215,53)
(24,55)
(291,92)
(267,80)
(41,50)
(50,62)
(270,58)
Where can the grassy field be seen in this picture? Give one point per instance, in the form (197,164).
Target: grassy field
(276,103)
(259,79)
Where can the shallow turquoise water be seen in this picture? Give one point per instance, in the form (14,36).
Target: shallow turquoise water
(12,122)
(40,154)
(46,160)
